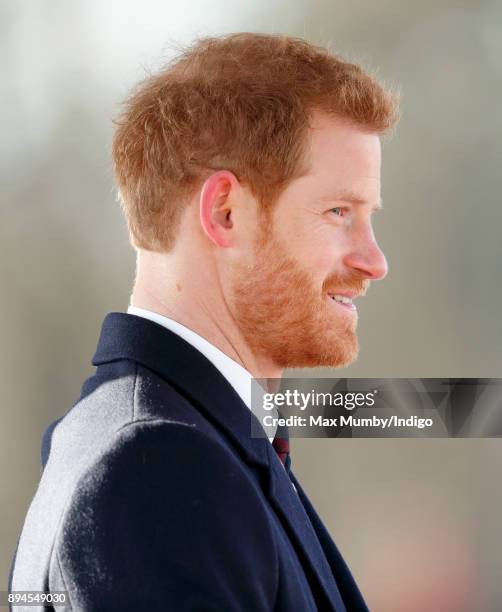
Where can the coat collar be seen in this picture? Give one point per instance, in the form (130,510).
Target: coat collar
(126,336)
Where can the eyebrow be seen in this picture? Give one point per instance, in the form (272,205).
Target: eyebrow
(352,198)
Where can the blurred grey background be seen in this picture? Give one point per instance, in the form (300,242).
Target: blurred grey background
(417,520)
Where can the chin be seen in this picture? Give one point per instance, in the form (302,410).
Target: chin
(344,354)
(342,358)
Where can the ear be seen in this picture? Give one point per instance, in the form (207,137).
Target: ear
(215,206)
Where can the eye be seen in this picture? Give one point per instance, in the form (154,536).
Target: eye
(338,211)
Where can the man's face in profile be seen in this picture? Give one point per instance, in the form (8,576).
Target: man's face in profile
(314,253)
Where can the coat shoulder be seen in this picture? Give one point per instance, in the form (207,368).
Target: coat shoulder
(165,495)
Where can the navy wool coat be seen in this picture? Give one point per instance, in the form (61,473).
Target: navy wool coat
(154,496)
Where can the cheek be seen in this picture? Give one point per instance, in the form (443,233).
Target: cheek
(325,256)
(318,249)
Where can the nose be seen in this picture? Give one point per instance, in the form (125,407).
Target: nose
(367,258)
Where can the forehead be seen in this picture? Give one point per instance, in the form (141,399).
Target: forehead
(343,156)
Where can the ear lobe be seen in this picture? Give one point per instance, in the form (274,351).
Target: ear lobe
(215,207)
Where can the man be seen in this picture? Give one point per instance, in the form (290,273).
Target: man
(248,171)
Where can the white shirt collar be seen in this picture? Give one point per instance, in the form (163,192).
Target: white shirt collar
(237,376)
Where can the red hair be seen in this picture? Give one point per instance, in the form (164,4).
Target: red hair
(239,102)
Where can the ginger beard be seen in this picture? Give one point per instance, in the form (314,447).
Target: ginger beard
(284,315)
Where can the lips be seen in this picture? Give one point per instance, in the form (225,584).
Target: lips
(343,299)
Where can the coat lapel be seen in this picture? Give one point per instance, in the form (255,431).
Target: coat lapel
(290,509)
(126,336)
(351,595)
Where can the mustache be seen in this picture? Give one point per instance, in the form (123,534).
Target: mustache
(353,282)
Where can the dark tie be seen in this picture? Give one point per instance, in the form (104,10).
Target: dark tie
(281,445)
(281,448)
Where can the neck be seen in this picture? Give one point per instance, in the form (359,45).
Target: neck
(174,295)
